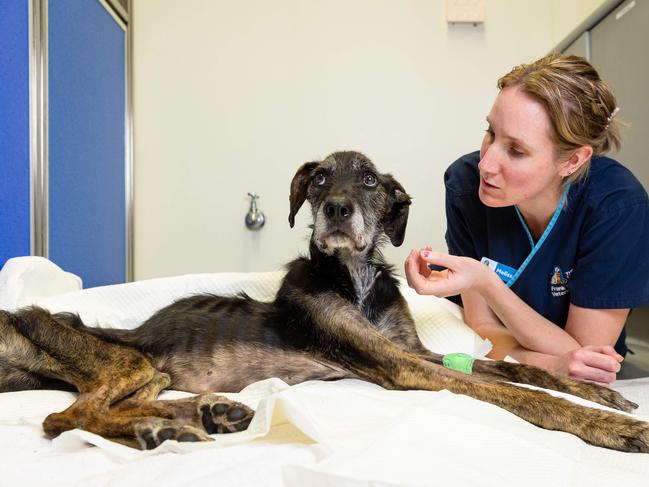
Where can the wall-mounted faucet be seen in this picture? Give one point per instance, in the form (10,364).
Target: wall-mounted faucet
(255,219)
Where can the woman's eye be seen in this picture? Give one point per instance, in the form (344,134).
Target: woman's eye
(490,133)
(319,179)
(369,180)
(515,152)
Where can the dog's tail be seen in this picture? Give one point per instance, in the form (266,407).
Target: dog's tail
(111,335)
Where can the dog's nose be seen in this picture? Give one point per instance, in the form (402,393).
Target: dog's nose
(337,211)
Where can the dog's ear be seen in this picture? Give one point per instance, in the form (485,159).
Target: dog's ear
(396,211)
(299,187)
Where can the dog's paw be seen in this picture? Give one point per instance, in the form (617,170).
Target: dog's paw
(57,423)
(151,432)
(619,432)
(615,400)
(528,374)
(635,438)
(219,414)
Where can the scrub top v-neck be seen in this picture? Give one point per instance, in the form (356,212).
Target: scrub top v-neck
(595,256)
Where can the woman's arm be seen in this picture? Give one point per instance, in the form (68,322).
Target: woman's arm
(532,331)
(596,326)
(464,275)
(497,313)
(593,363)
(485,323)
(596,330)
(529,328)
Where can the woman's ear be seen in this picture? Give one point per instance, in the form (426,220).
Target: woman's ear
(577,159)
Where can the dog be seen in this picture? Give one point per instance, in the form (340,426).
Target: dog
(338,314)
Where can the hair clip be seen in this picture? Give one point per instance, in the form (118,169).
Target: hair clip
(611,116)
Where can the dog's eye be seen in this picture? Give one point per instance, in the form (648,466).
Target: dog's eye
(319,179)
(369,180)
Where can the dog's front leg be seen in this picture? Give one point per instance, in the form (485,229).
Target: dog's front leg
(501,371)
(347,337)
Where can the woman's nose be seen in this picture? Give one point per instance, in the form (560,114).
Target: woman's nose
(488,162)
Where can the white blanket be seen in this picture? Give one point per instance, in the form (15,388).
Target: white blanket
(347,433)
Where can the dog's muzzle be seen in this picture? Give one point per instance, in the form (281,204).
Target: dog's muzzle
(337,230)
(338,212)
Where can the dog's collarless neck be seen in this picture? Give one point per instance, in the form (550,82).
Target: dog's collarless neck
(361,273)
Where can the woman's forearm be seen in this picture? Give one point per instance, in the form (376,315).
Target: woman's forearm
(505,344)
(529,328)
(495,312)
(542,360)
(502,340)
(469,277)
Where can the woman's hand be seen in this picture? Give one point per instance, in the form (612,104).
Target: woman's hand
(461,274)
(594,363)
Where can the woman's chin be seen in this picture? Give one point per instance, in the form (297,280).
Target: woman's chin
(489,199)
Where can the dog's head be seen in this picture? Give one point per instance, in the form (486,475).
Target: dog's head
(351,202)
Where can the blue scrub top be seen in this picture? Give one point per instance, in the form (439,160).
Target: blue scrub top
(596,256)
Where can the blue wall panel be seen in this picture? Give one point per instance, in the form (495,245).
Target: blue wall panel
(14,129)
(86,141)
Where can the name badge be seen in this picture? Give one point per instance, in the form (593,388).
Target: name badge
(503,271)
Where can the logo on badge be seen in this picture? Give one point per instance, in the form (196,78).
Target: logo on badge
(559,282)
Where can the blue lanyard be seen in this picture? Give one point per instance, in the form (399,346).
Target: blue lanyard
(535,248)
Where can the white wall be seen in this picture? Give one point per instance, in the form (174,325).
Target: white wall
(232,97)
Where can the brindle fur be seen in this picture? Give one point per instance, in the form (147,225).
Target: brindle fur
(338,313)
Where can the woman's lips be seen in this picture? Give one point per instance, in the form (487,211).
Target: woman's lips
(488,185)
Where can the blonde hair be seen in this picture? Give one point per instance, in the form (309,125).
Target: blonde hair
(581,106)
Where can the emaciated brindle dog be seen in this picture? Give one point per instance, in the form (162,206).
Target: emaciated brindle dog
(339,313)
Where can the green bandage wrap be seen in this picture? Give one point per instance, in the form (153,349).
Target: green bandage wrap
(461,362)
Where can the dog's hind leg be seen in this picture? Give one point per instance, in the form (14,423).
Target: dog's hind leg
(186,419)
(146,393)
(160,420)
(102,372)
(23,366)
(116,384)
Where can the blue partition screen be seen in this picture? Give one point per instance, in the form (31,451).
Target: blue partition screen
(86,76)
(14,130)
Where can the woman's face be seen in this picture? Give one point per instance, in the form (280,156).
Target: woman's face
(517,158)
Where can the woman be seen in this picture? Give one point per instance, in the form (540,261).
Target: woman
(563,230)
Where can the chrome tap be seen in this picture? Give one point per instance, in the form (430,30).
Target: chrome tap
(255,219)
